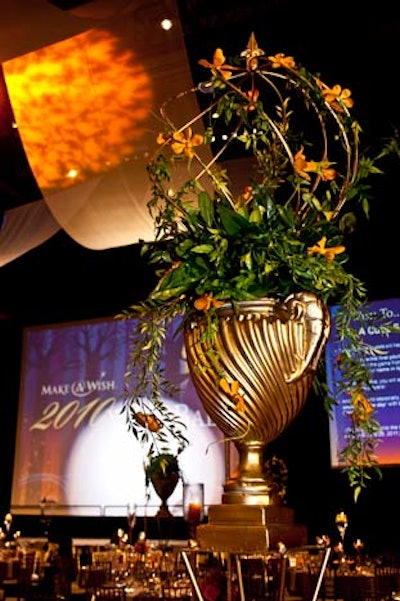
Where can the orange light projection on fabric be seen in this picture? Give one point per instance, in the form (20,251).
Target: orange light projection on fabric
(80,105)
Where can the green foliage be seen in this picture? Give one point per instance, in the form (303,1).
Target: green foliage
(163,463)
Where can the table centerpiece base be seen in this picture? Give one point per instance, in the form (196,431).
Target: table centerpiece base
(237,528)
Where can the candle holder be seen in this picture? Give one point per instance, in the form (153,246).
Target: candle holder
(358,546)
(193,506)
(341,524)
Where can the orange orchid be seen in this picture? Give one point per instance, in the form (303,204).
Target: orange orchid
(206,301)
(301,165)
(182,141)
(362,408)
(328,215)
(281,60)
(247,194)
(329,253)
(148,421)
(253,96)
(245,197)
(327,173)
(232,390)
(337,97)
(323,169)
(218,64)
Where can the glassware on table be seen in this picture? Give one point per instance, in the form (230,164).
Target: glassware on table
(131,519)
(193,505)
(323,540)
(341,524)
(358,546)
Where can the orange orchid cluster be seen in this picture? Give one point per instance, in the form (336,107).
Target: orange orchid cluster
(183,141)
(278,61)
(331,95)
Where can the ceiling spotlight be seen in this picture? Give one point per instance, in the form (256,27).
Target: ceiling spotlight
(166,24)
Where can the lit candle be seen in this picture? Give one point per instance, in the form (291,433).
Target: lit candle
(194,512)
(341,518)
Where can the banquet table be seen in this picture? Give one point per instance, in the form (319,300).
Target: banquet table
(354,586)
(349,586)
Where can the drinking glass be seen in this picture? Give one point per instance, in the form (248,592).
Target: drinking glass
(358,545)
(131,519)
(341,524)
(193,505)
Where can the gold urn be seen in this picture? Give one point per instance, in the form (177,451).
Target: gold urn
(272,349)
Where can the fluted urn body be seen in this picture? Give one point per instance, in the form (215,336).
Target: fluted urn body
(272,349)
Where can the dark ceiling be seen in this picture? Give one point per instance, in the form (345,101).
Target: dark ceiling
(62,281)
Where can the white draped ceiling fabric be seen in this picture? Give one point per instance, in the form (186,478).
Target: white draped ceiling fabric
(83,86)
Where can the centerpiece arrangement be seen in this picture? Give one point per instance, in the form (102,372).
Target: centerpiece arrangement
(163,472)
(252,260)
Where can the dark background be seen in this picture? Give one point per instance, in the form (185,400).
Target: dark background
(62,281)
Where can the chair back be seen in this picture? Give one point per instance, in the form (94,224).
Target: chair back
(3,571)
(176,590)
(108,592)
(276,576)
(387,581)
(92,576)
(355,587)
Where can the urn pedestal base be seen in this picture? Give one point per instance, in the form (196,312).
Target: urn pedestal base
(250,529)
